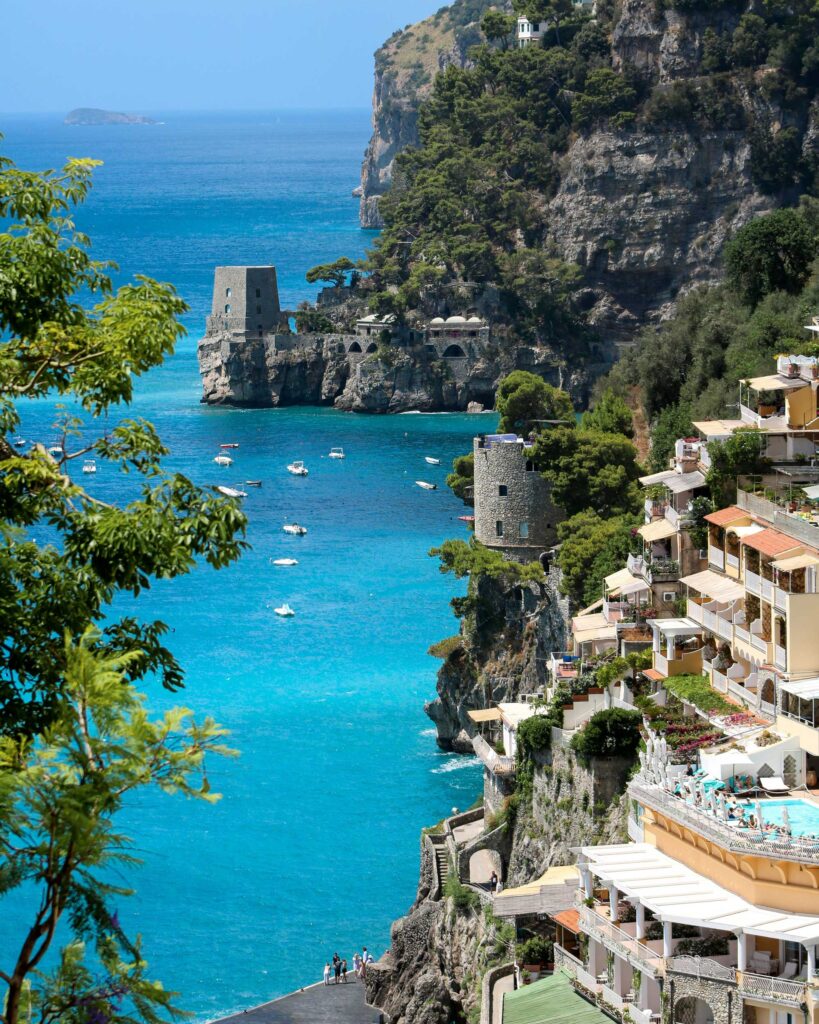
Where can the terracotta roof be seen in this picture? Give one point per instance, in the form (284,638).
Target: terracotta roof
(726,515)
(652,673)
(770,542)
(570,919)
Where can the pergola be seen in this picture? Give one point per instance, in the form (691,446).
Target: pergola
(677,895)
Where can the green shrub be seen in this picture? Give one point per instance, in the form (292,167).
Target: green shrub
(536,950)
(535,735)
(697,690)
(614,732)
(447,648)
(461,895)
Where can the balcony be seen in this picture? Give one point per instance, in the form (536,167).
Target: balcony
(618,940)
(663,570)
(716,557)
(767,589)
(498,764)
(780,658)
(678,519)
(732,562)
(719,681)
(775,990)
(753,582)
(655,509)
(694,611)
(780,599)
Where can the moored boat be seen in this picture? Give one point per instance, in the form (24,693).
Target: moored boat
(232,445)
(285,561)
(253,483)
(295,529)
(427,487)
(336,453)
(297,468)
(285,611)
(431,461)
(19,442)
(89,466)
(223,460)
(231,492)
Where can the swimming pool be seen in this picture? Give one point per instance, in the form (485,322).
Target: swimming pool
(803,815)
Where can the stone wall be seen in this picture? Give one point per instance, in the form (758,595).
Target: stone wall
(722,998)
(245,301)
(509,490)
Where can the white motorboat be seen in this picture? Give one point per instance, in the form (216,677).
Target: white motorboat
(431,461)
(56,450)
(295,529)
(297,468)
(285,561)
(253,483)
(89,466)
(19,442)
(232,445)
(231,492)
(426,486)
(285,611)
(336,453)
(223,460)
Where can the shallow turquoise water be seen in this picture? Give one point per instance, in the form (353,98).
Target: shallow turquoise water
(803,817)
(315,845)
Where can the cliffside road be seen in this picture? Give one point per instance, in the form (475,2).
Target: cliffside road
(318,1004)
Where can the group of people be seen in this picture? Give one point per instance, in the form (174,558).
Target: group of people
(737,812)
(338,969)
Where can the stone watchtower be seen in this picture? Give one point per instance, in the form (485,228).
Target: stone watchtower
(245,302)
(513,507)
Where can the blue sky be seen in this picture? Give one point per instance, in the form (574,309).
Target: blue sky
(156,55)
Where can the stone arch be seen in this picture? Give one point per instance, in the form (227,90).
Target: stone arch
(768,691)
(481,865)
(454,352)
(692,1010)
(355,347)
(372,347)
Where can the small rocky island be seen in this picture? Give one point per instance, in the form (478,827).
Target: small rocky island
(93,116)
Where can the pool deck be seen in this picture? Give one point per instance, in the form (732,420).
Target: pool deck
(315,1004)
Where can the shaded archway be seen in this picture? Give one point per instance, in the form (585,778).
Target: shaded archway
(691,1010)
(454,352)
(355,347)
(482,864)
(372,347)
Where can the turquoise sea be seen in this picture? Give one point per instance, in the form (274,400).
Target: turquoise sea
(314,847)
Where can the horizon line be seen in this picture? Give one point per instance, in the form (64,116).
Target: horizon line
(190,110)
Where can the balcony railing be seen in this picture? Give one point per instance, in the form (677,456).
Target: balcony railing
(776,990)
(498,764)
(694,611)
(724,628)
(780,599)
(732,561)
(780,657)
(753,582)
(767,589)
(719,681)
(728,837)
(759,643)
(701,967)
(611,998)
(716,557)
(617,939)
(741,633)
(655,509)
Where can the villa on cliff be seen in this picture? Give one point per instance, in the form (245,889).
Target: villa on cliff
(529,32)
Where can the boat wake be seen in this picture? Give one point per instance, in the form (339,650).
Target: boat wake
(455,764)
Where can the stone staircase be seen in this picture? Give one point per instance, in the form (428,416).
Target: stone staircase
(442,863)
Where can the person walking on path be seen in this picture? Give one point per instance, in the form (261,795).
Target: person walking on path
(344,971)
(357,964)
(326,974)
(337,967)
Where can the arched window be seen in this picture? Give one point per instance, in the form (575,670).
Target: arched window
(690,1010)
(227,308)
(372,347)
(454,352)
(228,292)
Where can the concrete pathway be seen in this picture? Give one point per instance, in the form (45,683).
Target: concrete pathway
(501,986)
(481,866)
(316,1004)
(466,833)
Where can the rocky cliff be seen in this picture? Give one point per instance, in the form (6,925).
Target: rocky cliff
(405,67)
(644,209)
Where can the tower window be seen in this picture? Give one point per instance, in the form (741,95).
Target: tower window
(258,309)
(503,490)
(228,292)
(499,528)
(523,531)
(260,330)
(227,308)
(258,293)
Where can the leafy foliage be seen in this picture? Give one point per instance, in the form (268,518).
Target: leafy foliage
(772,253)
(534,735)
(334,273)
(471,558)
(524,400)
(609,415)
(697,690)
(592,547)
(614,732)
(52,345)
(462,477)
(737,456)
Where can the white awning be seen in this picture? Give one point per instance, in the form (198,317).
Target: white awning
(807,689)
(744,531)
(621,578)
(658,530)
(657,478)
(583,636)
(634,588)
(795,562)
(776,383)
(685,482)
(676,627)
(675,893)
(714,586)
(485,715)
(812,492)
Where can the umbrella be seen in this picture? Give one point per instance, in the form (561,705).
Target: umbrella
(786,818)
(759,815)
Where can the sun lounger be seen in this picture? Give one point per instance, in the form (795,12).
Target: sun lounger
(774,785)
(791,967)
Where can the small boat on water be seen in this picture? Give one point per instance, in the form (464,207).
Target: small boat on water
(285,611)
(427,487)
(89,466)
(253,483)
(232,445)
(297,468)
(467,519)
(231,492)
(56,450)
(295,529)
(285,561)
(336,453)
(19,442)
(223,460)
(431,461)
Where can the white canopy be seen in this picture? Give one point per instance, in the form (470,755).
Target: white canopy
(676,627)
(812,492)
(795,562)
(657,478)
(658,530)
(621,578)
(676,893)
(807,689)
(744,531)
(685,482)
(714,586)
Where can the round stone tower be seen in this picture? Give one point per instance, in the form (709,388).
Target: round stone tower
(513,507)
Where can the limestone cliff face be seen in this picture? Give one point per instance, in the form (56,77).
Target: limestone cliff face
(405,67)
(530,623)
(320,370)
(645,213)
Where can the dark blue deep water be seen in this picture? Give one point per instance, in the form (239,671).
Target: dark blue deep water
(314,847)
